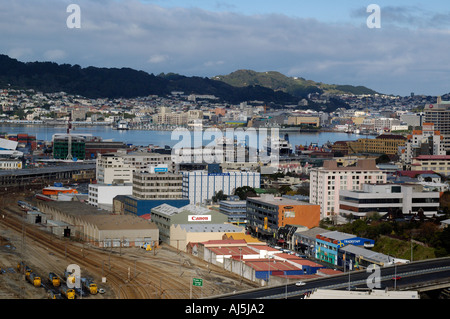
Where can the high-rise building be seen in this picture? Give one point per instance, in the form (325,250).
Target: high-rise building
(328,180)
(439,114)
(426,141)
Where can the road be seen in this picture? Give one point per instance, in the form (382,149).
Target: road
(411,274)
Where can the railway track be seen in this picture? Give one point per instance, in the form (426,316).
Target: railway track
(71,252)
(136,276)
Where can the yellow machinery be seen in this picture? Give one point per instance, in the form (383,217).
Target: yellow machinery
(27,272)
(67,292)
(54,279)
(90,286)
(93,288)
(35,279)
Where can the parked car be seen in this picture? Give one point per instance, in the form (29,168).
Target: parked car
(299,283)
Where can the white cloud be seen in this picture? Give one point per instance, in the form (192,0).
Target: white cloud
(394,59)
(54,55)
(158,58)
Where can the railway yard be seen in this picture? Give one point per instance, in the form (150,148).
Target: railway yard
(118,273)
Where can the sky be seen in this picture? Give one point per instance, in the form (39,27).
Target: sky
(325,41)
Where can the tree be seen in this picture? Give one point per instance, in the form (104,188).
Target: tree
(218,196)
(383,159)
(244,192)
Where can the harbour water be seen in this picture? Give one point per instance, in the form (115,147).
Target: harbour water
(163,138)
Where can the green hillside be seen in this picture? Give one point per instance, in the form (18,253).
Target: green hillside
(295,86)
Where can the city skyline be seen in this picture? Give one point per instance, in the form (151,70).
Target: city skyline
(330,43)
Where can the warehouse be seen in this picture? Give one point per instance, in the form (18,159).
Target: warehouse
(99,227)
(183,234)
(165,216)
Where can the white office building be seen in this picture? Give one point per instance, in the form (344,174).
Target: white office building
(120,166)
(388,198)
(200,186)
(102,195)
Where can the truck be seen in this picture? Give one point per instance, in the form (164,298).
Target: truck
(147,246)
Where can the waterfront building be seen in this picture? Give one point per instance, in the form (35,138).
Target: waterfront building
(327,181)
(69,146)
(167,117)
(384,124)
(313,121)
(383,144)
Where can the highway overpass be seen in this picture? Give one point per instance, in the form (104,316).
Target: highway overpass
(419,276)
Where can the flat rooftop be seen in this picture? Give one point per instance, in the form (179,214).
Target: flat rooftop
(278,201)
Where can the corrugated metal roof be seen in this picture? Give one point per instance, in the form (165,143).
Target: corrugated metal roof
(210,228)
(368,254)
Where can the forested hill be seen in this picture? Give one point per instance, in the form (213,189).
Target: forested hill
(94,82)
(296,86)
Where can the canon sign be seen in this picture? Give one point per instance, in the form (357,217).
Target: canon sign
(199,218)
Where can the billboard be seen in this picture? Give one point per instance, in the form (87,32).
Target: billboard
(357,241)
(199,218)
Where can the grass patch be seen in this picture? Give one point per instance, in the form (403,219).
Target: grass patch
(402,249)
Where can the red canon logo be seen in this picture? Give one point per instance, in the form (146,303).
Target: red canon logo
(197,218)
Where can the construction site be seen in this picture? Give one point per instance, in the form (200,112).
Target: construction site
(116,272)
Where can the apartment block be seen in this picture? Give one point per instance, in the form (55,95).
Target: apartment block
(327,181)
(426,141)
(437,163)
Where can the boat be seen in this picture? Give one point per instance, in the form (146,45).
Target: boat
(122,125)
(55,190)
(282,145)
